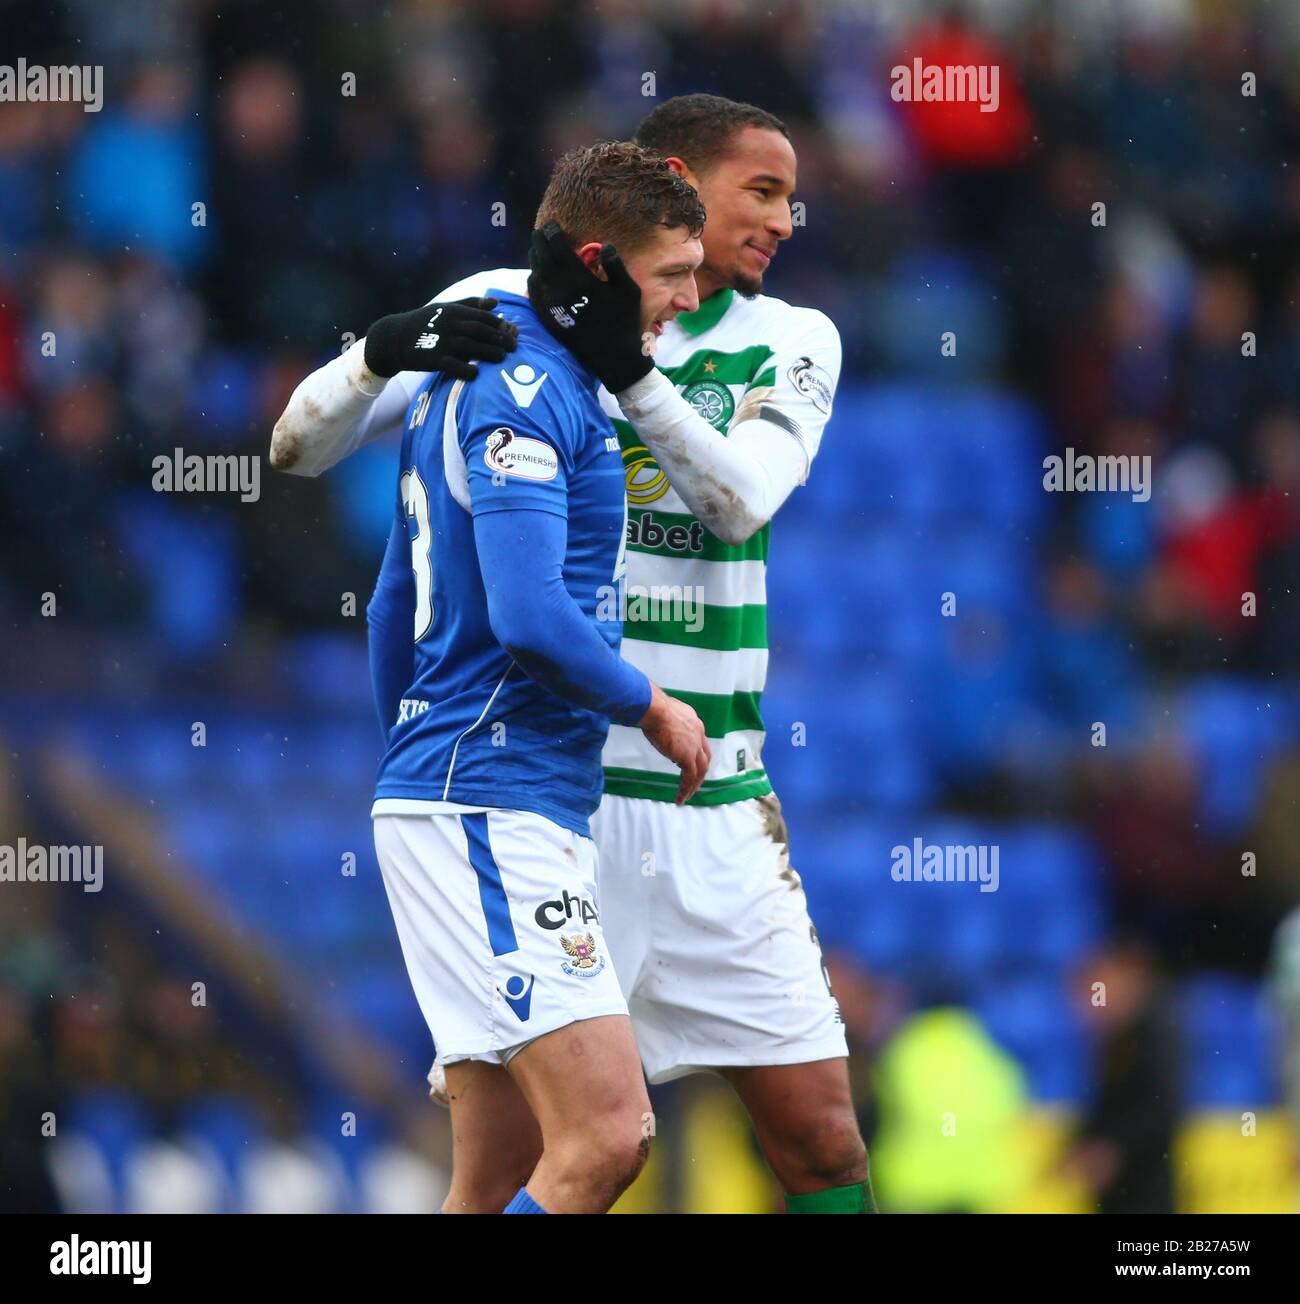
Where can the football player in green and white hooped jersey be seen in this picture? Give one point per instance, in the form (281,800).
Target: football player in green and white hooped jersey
(702,911)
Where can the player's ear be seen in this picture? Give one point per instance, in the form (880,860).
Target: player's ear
(590,255)
(683,169)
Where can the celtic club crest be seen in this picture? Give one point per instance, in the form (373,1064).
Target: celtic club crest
(712,400)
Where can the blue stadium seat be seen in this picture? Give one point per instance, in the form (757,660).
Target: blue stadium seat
(1235,727)
(995,443)
(882,936)
(222,395)
(983,567)
(837,859)
(874,431)
(191,564)
(1229,1082)
(966,933)
(931,291)
(337,666)
(229,1130)
(341,758)
(382,1002)
(1229,1030)
(862,743)
(252,761)
(1050,907)
(114,1123)
(154,756)
(365,488)
(226,1122)
(331,1119)
(953,925)
(1118,535)
(1035,1019)
(212,841)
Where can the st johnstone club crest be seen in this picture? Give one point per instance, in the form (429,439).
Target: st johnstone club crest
(583,962)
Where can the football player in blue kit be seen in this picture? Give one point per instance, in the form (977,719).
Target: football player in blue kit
(495,634)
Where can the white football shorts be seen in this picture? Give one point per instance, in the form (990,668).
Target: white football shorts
(708,921)
(496,915)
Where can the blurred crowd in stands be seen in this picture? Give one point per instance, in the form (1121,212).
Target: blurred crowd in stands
(1115,251)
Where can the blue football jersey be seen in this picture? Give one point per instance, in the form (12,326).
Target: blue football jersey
(473,728)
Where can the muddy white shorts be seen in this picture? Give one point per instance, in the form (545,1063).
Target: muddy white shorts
(708,921)
(496,915)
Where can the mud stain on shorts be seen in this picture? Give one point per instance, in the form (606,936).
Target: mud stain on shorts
(774,827)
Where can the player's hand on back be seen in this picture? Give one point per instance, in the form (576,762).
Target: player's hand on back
(446,337)
(599,322)
(675,731)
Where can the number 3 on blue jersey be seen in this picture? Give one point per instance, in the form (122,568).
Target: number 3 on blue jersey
(415,502)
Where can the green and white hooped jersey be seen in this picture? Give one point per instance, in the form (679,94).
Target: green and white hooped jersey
(696,607)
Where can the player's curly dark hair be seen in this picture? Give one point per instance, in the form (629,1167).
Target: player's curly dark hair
(618,192)
(700,129)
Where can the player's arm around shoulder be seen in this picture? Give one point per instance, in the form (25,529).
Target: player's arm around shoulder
(334,411)
(363,394)
(735,483)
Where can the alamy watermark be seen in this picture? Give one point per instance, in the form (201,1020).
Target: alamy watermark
(946,84)
(933,863)
(1078,473)
(680,604)
(29,863)
(39,83)
(77,1258)
(182,472)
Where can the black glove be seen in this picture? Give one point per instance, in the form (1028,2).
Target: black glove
(440,337)
(599,322)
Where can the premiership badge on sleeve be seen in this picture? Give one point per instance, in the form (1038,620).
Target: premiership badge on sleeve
(517,455)
(813,382)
